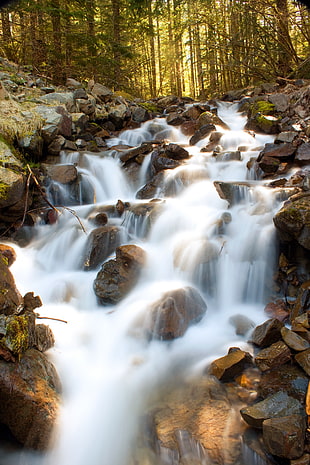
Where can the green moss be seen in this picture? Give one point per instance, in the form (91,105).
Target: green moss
(263,107)
(149,106)
(17,335)
(3,190)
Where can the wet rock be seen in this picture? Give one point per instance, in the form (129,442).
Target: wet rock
(293,340)
(118,276)
(29,399)
(101,243)
(64,174)
(231,365)
(175,119)
(207,117)
(228,156)
(133,153)
(151,189)
(280,151)
(171,315)
(176,152)
(302,302)
(201,133)
(303,359)
(285,437)
(288,378)
(302,156)
(269,165)
(267,333)
(242,324)
(8,253)
(277,309)
(10,298)
(233,192)
(275,406)
(275,355)
(190,421)
(293,222)
(188,128)
(286,136)
(160,161)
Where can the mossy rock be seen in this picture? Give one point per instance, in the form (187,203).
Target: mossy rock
(293,222)
(150,106)
(263,107)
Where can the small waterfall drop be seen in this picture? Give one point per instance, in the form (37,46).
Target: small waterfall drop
(225,251)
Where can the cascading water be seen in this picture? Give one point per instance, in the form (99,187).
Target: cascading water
(107,368)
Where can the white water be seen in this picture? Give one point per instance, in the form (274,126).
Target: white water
(108,369)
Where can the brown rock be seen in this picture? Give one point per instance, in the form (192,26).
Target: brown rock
(14,187)
(231,365)
(285,436)
(201,133)
(303,460)
(64,174)
(280,151)
(302,302)
(44,338)
(188,128)
(10,298)
(29,399)
(267,333)
(242,323)
(277,405)
(101,243)
(142,149)
(303,359)
(174,312)
(302,156)
(293,221)
(118,276)
(289,378)
(176,152)
(273,356)
(150,189)
(277,310)
(8,253)
(293,340)
(31,302)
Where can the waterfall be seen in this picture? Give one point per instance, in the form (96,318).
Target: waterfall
(107,369)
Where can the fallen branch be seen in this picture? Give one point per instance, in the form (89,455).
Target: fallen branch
(49,318)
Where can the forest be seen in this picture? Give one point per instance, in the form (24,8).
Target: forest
(148,48)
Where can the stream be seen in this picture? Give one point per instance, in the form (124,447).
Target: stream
(108,369)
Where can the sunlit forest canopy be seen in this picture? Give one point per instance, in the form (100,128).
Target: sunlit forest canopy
(149,48)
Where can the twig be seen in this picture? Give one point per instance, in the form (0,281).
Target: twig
(41,190)
(49,318)
(76,216)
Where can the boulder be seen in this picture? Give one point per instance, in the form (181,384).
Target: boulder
(277,405)
(280,101)
(302,156)
(101,93)
(302,302)
(29,399)
(101,243)
(12,187)
(160,161)
(175,119)
(267,333)
(273,356)
(32,145)
(64,174)
(282,152)
(151,188)
(285,436)
(130,154)
(231,365)
(202,133)
(207,117)
(288,378)
(232,191)
(171,315)
(44,338)
(176,152)
(118,276)
(241,323)
(293,221)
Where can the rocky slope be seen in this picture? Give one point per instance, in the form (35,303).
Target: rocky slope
(37,123)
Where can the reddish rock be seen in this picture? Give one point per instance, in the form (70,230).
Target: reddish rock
(285,436)
(303,359)
(29,399)
(273,356)
(293,340)
(277,310)
(289,378)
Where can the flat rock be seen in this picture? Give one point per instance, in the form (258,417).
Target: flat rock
(273,356)
(293,340)
(303,359)
(101,243)
(289,378)
(277,405)
(231,365)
